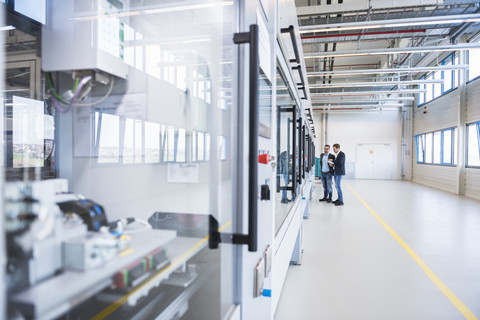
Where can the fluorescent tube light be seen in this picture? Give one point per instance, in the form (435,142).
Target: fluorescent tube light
(370,52)
(461,18)
(392,70)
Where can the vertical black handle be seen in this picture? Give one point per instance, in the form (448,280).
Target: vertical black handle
(291,30)
(294,152)
(253,141)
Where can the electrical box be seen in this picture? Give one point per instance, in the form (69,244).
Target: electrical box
(85,35)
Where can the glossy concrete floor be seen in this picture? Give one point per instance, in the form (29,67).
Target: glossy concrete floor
(354,268)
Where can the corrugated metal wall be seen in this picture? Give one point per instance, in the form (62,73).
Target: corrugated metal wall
(472,188)
(473,101)
(440,114)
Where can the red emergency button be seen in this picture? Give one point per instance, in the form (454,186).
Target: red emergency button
(263,158)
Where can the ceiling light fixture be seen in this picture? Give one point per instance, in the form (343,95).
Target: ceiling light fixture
(380,83)
(362,100)
(407,22)
(357,105)
(392,70)
(367,93)
(372,52)
(6,28)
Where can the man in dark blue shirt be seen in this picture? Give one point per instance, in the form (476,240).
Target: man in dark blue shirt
(338,173)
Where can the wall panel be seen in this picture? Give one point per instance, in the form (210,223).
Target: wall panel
(440,113)
(473,101)
(440,177)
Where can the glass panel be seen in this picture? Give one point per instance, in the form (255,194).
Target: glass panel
(152,142)
(128,139)
(437,147)
(448,81)
(109,139)
(140,101)
(447,147)
(284,195)
(437,88)
(181,149)
(473,156)
(428,147)
(455,146)
(419,140)
(473,63)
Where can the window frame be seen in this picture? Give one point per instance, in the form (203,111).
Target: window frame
(420,147)
(467,146)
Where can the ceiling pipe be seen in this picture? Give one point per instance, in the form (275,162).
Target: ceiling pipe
(363,34)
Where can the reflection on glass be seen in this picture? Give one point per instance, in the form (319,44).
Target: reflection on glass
(161,114)
(285,186)
(128,145)
(108,151)
(152,142)
(264,106)
(29,132)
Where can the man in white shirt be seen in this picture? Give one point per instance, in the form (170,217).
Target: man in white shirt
(327,173)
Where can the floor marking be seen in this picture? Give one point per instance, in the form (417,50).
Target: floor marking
(174,264)
(447,292)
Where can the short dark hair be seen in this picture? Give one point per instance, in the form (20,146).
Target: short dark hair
(336,145)
(327,146)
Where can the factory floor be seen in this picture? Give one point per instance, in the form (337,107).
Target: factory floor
(395,250)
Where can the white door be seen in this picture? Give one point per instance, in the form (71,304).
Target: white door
(374,161)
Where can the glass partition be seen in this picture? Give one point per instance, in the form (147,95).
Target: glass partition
(128,105)
(287,151)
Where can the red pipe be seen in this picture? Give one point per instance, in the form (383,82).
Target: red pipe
(363,34)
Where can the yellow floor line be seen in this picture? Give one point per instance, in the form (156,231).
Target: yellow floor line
(174,264)
(446,291)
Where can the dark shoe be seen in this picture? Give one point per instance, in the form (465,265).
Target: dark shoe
(339,203)
(323,199)
(333,202)
(284,200)
(329,200)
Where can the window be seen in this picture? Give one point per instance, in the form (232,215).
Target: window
(109,142)
(419,139)
(437,147)
(421,96)
(437,87)
(473,63)
(473,144)
(447,146)
(152,142)
(428,147)
(435,90)
(222,148)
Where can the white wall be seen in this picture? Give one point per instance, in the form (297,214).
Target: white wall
(351,129)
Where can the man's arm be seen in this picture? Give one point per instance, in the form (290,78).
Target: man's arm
(340,158)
